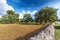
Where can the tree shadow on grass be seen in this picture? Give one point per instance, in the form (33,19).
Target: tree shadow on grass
(57,27)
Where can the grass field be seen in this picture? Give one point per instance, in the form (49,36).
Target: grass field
(57,31)
(13,31)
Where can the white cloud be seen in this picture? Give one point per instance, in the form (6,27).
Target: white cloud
(4,7)
(0,16)
(21,15)
(28,12)
(23,11)
(34,12)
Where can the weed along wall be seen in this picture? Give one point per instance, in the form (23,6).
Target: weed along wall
(45,33)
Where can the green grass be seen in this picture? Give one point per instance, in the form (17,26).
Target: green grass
(56,24)
(57,31)
(57,34)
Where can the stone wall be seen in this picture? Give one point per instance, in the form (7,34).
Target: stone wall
(45,33)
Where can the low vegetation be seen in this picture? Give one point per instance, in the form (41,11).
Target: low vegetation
(57,31)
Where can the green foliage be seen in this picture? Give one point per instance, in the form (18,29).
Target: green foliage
(27,18)
(46,14)
(10,17)
(57,31)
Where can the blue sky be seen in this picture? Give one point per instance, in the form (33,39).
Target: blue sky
(29,6)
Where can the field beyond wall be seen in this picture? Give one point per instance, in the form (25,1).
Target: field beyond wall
(13,31)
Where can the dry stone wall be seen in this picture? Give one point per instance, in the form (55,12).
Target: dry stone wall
(46,34)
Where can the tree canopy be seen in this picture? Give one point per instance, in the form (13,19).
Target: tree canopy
(27,18)
(46,14)
(10,17)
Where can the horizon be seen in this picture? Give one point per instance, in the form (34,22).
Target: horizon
(27,6)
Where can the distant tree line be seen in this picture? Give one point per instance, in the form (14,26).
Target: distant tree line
(10,17)
(44,15)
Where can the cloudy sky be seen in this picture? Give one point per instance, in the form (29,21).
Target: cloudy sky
(29,6)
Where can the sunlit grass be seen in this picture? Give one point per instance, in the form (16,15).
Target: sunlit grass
(57,24)
(13,31)
(57,34)
(57,31)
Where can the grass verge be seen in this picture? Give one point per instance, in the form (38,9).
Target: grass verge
(57,31)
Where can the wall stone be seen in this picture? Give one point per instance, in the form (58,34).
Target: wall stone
(46,34)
